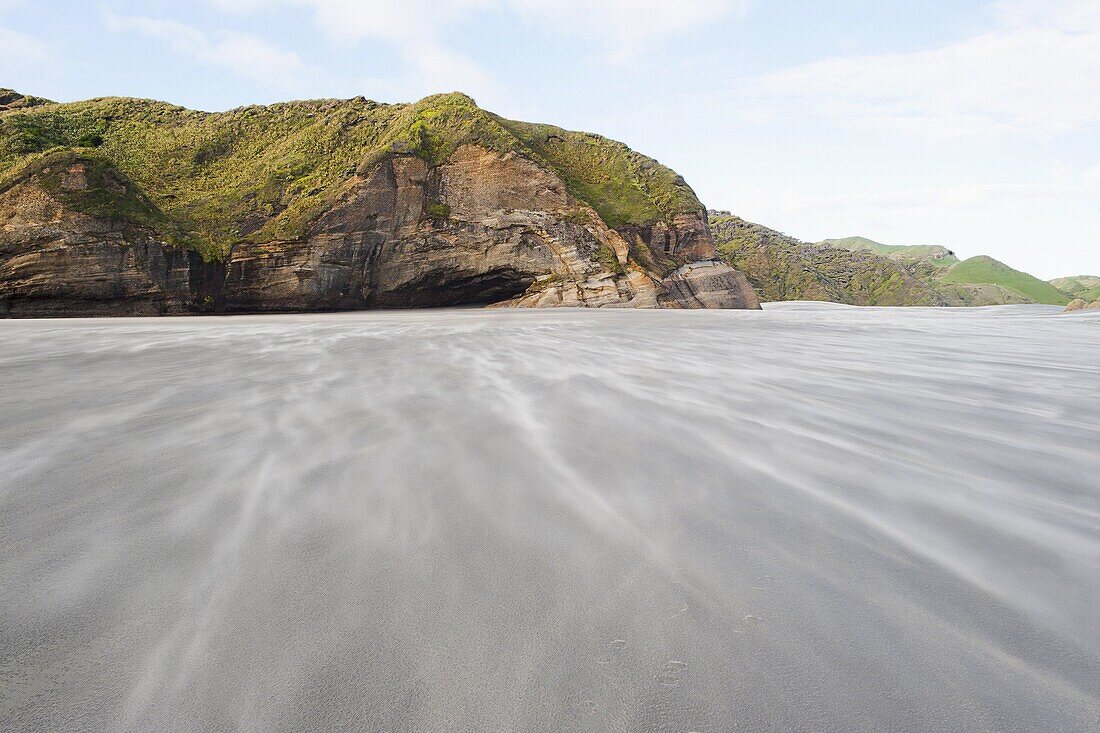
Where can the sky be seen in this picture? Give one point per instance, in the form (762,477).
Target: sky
(971,124)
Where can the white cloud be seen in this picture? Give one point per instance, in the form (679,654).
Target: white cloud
(19,48)
(1092,175)
(415,28)
(1066,15)
(246,56)
(961,198)
(1035,72)
(625,27)
(618,22)
(419,29)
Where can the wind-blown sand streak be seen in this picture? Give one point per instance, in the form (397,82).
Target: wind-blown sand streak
(812,518)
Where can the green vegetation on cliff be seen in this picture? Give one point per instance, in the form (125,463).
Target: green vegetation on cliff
(983,270)
(263,173)
(11,99)
(623,186)
(89,183)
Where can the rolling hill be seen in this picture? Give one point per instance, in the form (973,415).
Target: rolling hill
(1085,287)
(861,271)
(932,252)
(984,270)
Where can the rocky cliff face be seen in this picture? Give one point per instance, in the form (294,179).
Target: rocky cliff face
(56,261)
(437,219)
(483,227)
(1080,304)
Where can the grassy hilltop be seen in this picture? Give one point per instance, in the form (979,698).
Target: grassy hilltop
(260,173)
(932,252)
(983,270)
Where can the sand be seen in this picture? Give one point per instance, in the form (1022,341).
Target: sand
(814,518)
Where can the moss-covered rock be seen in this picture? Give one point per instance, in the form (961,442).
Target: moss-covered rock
(90,184)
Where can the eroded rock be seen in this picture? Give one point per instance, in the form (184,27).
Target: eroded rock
(1080,304)
(483,227)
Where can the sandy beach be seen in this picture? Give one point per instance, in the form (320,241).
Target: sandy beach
(816,517)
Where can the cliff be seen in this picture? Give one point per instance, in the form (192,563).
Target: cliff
(1080,304)
(125,206)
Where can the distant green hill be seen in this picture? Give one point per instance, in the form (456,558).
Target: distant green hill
(931,252)
(861,271)
(984,270)
(781,267)
(1086,287)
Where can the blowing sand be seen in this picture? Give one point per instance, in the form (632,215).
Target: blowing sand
(815,518)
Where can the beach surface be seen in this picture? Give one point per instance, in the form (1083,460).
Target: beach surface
(814,517)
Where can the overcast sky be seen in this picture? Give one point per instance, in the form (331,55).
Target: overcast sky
(970,124)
